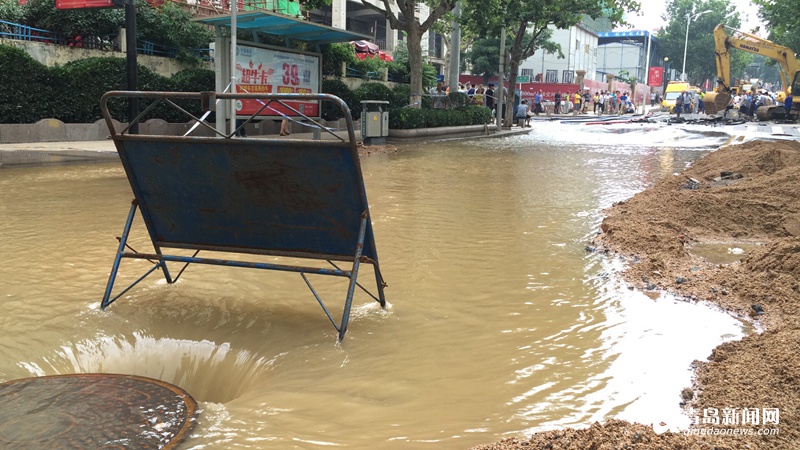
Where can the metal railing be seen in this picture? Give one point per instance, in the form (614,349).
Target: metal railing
(352,72)
(153,49)
(10,30)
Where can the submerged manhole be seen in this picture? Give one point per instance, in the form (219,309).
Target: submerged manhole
(102,411)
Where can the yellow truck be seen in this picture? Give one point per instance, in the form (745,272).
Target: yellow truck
(673,90)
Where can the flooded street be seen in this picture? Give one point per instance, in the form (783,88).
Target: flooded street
(499,321)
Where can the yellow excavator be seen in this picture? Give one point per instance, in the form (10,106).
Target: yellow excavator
(790,72)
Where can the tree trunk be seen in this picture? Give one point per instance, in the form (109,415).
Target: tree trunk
(414,44)
(515,57)
(512,84)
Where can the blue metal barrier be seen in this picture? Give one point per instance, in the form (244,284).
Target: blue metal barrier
(10,30)
(153,49)
(287,198)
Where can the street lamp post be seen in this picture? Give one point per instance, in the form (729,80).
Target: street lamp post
(689,18)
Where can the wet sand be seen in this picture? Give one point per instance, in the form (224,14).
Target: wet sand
(744,195)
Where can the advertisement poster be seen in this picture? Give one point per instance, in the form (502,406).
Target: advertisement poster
(265,71)
(656,76)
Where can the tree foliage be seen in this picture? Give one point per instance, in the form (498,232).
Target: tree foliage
(73,22)
(408,20)
(701,62)
(782,18)
(444,28)
(484,57)
(484,54)
(168,25)
(10,11)
(527,22)
(334,55)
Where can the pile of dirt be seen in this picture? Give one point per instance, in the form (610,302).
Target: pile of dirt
(742,194)
(612,435)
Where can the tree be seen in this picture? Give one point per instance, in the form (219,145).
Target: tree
(782,18)
(73,22)
(167,25)
(444,27)
(700,60)
(414,31)
(484,57)
(527,23)
(170,26)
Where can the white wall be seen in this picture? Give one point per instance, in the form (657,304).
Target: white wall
(613,58)
(58,55)
(579,47)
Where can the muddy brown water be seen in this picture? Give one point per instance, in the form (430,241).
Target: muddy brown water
(499,321)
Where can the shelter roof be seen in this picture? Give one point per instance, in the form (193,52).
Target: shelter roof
(284,26)
(626,37)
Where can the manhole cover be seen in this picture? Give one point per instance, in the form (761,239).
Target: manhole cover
(98,411)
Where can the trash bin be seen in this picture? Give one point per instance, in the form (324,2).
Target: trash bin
(374,121)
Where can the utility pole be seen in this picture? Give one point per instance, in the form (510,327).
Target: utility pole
(130,64)
(233,64)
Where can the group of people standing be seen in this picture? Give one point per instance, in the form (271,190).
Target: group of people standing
(749,102)
(602,102)
(477,95)
(691,101)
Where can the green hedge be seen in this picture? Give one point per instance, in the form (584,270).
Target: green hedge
(27,87)
(411,118)
(337,87)
(71,93)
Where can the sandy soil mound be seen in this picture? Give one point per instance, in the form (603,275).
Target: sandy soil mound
(613,435)
(742,194)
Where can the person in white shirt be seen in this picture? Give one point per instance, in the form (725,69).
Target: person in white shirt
(523,112)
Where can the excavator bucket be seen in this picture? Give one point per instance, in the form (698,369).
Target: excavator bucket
(716,102)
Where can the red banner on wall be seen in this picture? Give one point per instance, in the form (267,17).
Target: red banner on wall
(656,76)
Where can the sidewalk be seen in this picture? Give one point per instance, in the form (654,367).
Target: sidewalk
(39,153)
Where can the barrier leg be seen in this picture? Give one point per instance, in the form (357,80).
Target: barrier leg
(115,268)
(353,276)
(381,284)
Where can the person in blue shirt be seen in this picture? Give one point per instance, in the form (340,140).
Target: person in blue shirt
(788,105)
(537,103)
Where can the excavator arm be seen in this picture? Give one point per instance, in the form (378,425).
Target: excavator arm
(723,59)
(752,44)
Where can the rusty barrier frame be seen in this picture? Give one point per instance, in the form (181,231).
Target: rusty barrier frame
(257,196)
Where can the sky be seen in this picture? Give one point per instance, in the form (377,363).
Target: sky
(653,9)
